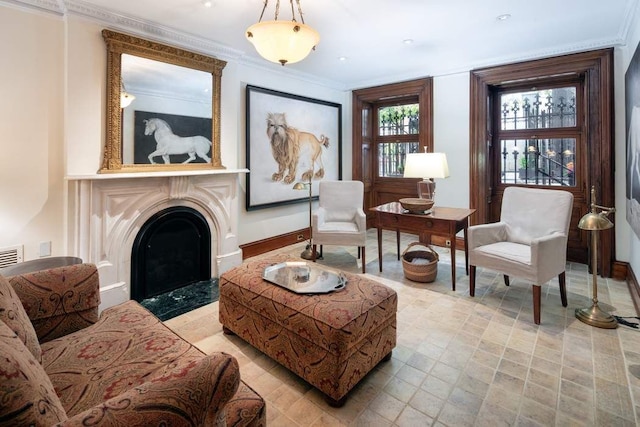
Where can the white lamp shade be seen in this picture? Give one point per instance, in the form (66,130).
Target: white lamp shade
(426,165)
(284,42)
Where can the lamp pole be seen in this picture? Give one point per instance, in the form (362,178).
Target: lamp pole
(307,253)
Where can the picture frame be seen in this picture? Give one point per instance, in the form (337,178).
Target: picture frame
(632,108)
(193,133)
(289,138)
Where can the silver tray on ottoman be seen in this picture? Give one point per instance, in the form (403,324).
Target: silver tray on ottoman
(303,278)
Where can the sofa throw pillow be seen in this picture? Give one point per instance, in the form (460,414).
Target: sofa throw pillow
(27,395)
(13,314)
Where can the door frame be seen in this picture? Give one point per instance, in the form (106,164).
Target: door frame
(597,67)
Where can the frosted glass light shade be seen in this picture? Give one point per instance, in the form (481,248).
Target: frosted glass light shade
(284,42)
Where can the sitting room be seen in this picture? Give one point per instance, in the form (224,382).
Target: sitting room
(398,214)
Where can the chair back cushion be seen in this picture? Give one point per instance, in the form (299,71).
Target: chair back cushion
(531,213)
(13,314)
(341,199)
(26,394)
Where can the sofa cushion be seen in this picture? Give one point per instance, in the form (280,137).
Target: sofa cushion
(27,397)
(13,314)
(127,347)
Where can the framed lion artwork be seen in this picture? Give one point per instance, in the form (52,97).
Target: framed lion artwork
(290,139)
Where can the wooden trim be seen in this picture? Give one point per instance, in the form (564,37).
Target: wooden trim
(272,243)
(620,270)
(597,67)
(634,289)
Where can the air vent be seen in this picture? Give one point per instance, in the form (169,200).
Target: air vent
(11,255)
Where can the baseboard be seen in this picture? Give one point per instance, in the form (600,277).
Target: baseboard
(619,270)
(634,288)
(272,243)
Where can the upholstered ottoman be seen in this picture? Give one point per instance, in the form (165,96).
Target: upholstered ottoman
(330,340)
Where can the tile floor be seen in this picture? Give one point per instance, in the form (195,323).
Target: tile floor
(461,361)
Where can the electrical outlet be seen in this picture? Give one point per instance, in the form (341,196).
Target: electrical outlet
(448,243)
(300,237)
(45,249)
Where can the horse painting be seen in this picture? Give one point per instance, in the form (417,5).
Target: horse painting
(168,143)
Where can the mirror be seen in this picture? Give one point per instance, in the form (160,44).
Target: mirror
(163,107)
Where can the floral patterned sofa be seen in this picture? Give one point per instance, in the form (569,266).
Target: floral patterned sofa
(62,364)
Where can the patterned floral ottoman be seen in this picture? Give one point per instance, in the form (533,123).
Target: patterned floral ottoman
(330,340)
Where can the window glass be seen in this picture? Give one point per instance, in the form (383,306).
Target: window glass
(398,120)
(538,109)
(391,157)
(538,161)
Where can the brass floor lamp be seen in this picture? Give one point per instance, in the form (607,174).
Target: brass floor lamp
(595,222)
(307,253)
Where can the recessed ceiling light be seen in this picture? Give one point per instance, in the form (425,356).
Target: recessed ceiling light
(207,3)
(342,58)
(503,17)
(407,41)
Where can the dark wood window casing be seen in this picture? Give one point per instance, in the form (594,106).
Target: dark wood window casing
(594,69)
(366,103)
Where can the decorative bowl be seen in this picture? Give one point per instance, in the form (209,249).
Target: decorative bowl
(415,205)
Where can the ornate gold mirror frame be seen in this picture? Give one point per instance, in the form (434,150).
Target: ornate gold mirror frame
(119,44)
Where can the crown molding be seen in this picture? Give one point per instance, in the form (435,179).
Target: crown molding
(55,7)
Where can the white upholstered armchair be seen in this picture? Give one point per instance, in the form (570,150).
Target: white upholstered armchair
(340,219)
(529,241)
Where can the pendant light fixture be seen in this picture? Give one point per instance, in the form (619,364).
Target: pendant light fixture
(284,42)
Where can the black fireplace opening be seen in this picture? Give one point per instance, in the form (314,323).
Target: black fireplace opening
(171,251)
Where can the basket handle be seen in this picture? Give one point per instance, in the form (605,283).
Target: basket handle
(421,244)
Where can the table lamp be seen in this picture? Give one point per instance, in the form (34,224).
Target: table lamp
(595,222)
(307,253)
(426,166)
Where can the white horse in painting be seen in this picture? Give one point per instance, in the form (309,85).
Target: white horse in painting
(168,143)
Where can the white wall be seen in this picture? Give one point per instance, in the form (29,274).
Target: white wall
(451,135)
(31,131)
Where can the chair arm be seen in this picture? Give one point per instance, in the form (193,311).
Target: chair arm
(189,392)
(361,220)
(549,253)
(318,217)
(485,234)
(59,300)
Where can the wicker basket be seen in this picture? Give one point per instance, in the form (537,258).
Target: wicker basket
(420,266)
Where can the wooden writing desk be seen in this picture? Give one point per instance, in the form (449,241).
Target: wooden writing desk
(440,221)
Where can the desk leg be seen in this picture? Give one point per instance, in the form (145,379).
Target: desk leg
(453,262)
(466,249)
(380,249)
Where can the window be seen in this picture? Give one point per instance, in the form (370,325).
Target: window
(397,135)
(538,136)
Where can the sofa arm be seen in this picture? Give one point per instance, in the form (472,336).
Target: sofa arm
(59,300)
(190,392)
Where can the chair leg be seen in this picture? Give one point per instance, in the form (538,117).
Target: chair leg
(320,251)
(363,260)
(472,280)
(563,288)
(313,252)
(537,298)
(506,280)
(358,252)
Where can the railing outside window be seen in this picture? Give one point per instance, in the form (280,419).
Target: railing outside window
(538,160)
(397,120)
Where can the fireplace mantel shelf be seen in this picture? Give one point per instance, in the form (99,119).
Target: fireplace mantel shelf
(126,175)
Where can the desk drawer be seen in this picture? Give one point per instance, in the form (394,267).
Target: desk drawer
(414,223)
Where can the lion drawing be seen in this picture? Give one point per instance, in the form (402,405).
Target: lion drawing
(289,144)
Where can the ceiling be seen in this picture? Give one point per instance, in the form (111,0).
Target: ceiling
(448,35)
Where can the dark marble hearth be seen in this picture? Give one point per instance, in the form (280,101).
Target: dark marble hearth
(183,300)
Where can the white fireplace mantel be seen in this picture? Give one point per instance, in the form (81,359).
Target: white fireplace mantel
(108,210)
